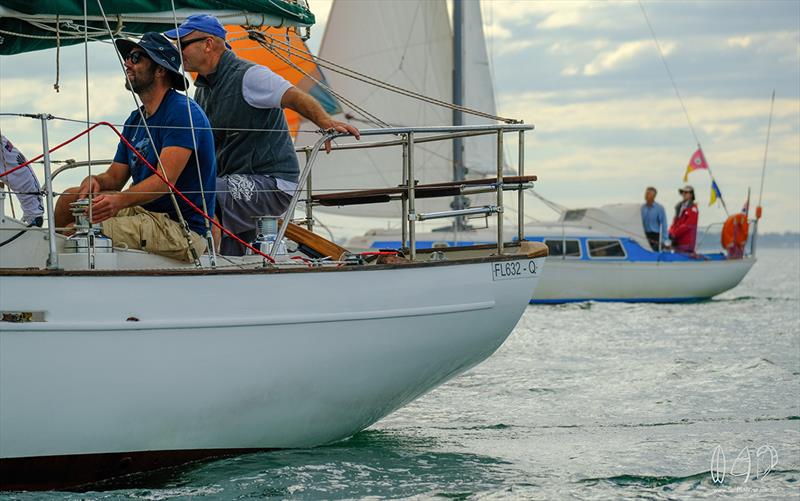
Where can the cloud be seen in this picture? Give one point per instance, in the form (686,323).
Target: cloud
(555,16)
(570,70)
(582,110)
(493,30)
(513,46)
(622,54)
(561,19)
(321,10)
(740,42)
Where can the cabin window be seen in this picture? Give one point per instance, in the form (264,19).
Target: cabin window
(557,247)
(605,248)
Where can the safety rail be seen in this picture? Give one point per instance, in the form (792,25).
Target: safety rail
(707,231)
(406,192)
(408,140)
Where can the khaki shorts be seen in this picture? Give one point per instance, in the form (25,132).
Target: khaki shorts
(153,232)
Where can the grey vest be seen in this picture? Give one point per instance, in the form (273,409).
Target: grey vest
(244,152)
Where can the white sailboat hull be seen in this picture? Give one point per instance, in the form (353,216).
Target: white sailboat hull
(641,278)
(580,280)
(237,361)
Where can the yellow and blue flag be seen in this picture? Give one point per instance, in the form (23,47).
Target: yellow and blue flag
(715,193)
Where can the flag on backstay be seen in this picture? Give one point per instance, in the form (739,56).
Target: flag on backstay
(715,193)
(697,162)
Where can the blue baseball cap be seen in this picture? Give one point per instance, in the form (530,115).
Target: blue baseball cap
(161,51)
(199,22)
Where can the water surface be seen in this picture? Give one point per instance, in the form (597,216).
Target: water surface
(584,401)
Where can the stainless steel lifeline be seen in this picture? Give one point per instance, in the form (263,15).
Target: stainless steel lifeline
(411,213)
(521,194)
(499,191)
(408,140)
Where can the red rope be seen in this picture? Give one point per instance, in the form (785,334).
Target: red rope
(18,167)
(155,171)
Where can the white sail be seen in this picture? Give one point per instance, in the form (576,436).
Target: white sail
(480,153)
(407,43)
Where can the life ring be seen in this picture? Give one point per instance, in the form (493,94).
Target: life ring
(734,234)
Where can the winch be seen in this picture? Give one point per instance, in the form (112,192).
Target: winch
(266,237)
(87,235)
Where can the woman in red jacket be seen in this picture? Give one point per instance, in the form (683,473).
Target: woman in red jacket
(683,231)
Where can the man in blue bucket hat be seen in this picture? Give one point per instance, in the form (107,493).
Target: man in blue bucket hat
(258,167)
(143,216)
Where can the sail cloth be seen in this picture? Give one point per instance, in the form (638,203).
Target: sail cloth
(61,22)
(480,153)
(296,72)
(407,43)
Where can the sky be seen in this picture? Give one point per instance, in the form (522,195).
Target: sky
(586,74)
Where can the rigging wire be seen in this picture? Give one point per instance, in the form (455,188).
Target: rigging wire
(91,254)
(337,68)
(680,99)
(669,72)
(143,120)
(209,236)
(260,39)
(155,171)
(766,148)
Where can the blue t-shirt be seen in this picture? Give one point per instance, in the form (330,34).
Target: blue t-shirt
(172,112)
(654,219)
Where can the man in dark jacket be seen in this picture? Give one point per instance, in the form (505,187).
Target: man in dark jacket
(257,169)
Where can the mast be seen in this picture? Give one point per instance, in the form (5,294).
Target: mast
(459,174)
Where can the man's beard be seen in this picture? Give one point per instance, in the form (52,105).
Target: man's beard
(141,84)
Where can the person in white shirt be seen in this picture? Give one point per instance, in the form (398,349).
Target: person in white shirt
(23,182)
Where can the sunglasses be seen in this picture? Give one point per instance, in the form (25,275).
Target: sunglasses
(135,57)
(185,43)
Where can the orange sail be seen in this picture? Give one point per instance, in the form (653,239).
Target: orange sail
(298,53)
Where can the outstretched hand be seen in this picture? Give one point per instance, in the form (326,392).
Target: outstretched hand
(343,127)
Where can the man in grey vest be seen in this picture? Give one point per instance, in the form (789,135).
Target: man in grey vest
(257,169)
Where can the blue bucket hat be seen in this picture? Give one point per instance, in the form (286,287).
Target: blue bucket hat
(161,51)
(199,22)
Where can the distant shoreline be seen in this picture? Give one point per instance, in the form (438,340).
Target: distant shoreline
(778,240)
(785,240)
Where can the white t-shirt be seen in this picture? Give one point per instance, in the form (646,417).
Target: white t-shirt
(263,88)
(22,181)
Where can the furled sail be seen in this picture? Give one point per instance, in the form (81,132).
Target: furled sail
(29,25)
(407,43)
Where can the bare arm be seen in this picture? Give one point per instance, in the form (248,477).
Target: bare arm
(112,179)
(173,159)
(297,100)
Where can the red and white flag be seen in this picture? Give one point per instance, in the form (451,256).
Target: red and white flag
(697,162)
